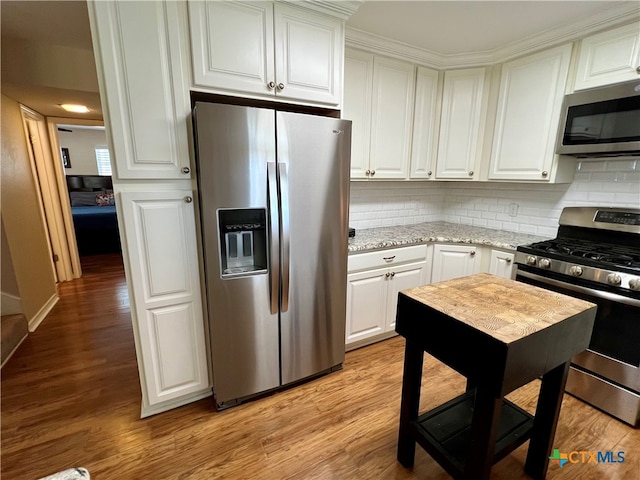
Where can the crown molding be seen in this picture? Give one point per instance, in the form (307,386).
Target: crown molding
(384,46)
(342,9)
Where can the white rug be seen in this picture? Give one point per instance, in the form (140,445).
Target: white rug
(70,474)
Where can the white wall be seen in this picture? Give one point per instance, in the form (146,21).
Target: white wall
(81,142)
(538,207)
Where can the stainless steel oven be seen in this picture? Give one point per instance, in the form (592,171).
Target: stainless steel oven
(596,257)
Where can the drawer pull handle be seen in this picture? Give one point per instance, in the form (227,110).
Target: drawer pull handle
(388,259)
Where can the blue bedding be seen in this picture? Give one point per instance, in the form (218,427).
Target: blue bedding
(96,229)
(95,217)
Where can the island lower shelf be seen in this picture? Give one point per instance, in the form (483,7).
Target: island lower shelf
(445,431)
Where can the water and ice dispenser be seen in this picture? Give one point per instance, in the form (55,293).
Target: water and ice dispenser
(243,241)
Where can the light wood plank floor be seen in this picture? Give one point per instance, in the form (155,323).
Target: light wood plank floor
(71,397)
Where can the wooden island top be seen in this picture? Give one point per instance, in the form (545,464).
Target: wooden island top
(504,309)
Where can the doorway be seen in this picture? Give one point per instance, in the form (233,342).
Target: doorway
(85,158)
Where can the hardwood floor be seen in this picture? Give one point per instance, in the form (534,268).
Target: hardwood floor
(71,397)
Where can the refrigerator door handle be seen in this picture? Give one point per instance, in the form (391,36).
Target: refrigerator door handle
(274,236)
(285,238)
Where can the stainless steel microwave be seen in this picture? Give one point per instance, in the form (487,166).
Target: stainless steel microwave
(600,122)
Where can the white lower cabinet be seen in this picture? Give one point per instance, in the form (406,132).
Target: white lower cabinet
(501,263)
(453,261)
(166,308)
(373,283)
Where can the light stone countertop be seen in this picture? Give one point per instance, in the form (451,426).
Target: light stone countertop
(438,232)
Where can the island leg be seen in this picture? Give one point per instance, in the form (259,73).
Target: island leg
(411,383)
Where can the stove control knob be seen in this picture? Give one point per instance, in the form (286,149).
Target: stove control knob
(614,279)
(634,284)
(544,263)
(575,270)
(531,260)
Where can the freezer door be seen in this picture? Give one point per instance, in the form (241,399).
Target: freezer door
(234,146)
(313,167)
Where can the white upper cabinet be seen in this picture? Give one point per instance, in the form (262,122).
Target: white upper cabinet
(531,93)
(392,107)
(263,49)
(461,124)
(219,30)
(609,57)
(379,95)
(358,82)
(146,103)
(425,125)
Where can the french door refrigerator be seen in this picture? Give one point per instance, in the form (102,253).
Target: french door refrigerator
(274,198)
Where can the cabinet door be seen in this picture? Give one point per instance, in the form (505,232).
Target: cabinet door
(461,124)
(531,93)
(309,55)
(391,118)
(401,278)
(232,45)
(366,304)
(453,261)
(609,57)
(358,81)
(425,124)
(139,64)
(166,309)
(501,264)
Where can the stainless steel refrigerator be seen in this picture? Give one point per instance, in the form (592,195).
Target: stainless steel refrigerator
(274,198)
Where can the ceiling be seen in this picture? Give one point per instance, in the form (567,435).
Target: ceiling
(37,34)
(446,28)
(470,27)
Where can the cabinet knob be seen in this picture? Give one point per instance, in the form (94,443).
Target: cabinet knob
(545,173)
(393,274)
(281,86)
(508,260)
(367,173)
(188,199)
(387,274)
(638,70)
(373,172)
(471,173)
(185,170)
(472,253)
(271,85)
(429,173)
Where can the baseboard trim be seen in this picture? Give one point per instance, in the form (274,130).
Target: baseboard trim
(149,410)
(43,312)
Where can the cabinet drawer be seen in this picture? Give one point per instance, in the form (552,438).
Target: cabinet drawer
(387,257)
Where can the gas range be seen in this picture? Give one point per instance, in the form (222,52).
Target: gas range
(596,257)
(599,245)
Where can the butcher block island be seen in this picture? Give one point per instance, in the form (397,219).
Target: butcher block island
(500,334)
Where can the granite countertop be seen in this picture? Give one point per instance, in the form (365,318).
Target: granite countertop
(439,232)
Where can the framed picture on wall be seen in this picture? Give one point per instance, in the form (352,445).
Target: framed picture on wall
(66,160)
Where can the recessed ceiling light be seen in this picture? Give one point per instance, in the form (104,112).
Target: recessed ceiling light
(75,108)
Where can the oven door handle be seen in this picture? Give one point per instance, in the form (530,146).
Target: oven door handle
(580,289)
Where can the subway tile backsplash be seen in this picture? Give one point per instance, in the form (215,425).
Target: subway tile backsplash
(516,207)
